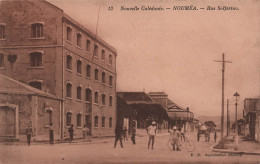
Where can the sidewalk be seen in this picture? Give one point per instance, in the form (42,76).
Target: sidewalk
(244,146)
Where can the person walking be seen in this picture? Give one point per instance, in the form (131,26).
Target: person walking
(175,135)
(125,131)
(133,133)
(215,136)
(151,131)
(118,135)
(51,132)
(71,132)
(182,134)
(29,133)
(85,131)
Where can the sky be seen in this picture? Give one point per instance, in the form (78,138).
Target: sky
(174,51)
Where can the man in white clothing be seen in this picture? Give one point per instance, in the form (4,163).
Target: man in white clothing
(151,131)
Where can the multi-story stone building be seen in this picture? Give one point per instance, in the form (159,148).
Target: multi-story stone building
(43,47)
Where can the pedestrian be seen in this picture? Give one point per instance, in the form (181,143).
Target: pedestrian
(175,135)
(29,133)
(71,132)
(51,132)
(118,135)
(151,131)
(133,133)
(182,134)
(125,133)
(85,131)
(215,136)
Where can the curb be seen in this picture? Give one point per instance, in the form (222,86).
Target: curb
(233,151)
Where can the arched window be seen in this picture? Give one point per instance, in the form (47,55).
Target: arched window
(79,92)
(79,116)
(110,60)
(110,80)
(35,59)
(88,95)
(88,43)
(103,121)
(1,60)
(36,84)
(37,30)
(48,116)
(110,122)
(96,50)
(79,37)
(103,55)
(103,99)
(110,101)
(68,90)
(96,97)
(103,77)
(69,34)
(2,31)
(96,74)
(69,62)
(88,71)
(96,121)
(79,65)
(68,118)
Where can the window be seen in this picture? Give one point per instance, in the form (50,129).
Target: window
(35,59)
(103,55)
(103,77)
(88,45)
(68,90)
(79,65)
(37,30)
(96,97)
(96,121)
(103,99)
(88,71)
(88,95)
(79,119)
(79,90)
(110,122)
(2,31)
(68,118)
(96,50)
(103,121)
(36,84)
(69,62)
(96,74)
(79,37)
(48,117)
(69,34)
(110,80)
(110,59)
(1,60)
(110,100)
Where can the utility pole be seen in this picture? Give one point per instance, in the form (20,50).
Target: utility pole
(228,123)
(222,104)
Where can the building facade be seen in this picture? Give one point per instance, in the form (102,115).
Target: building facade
(43,47)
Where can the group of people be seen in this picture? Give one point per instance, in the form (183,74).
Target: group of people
(29,133)
(121,133)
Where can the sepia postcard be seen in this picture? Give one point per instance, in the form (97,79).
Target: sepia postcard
(129,81)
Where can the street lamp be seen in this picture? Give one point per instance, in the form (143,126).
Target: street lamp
(236,96)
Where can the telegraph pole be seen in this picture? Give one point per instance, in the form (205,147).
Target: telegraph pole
(228,123)
(222,104)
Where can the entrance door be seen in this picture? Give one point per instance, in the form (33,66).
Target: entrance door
(7,121)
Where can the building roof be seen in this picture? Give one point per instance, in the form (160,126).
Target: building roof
(173,106)
(157,93)
(136,98)
(11,86)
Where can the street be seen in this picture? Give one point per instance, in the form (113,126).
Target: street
(103,152)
